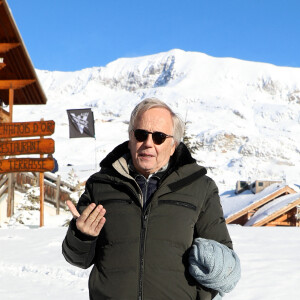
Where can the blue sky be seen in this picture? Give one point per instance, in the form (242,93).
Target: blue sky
(68,35)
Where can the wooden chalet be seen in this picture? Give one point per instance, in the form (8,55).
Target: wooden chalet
(19,84)
(277,204)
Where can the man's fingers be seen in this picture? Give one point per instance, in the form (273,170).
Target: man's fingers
(101,212)
(91,220)
(86,214)
(100,225)
(73,209)
(95,216)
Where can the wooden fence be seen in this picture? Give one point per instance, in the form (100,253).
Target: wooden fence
(57,191)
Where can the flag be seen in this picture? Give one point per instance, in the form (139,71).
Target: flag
(81,123)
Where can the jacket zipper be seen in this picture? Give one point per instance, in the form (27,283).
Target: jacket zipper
(142,240)
(142,253)
(179,203)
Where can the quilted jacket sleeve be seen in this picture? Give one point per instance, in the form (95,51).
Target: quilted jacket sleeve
(211,223)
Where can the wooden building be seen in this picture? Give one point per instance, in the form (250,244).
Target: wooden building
(283,211)
(277,204)
(19,84)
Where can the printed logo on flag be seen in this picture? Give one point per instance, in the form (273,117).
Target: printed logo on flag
(81,123)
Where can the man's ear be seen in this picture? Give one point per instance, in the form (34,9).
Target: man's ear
(173,148)
(129,142)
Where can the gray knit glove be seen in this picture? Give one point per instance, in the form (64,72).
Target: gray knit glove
(214,265)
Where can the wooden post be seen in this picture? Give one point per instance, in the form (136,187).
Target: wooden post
(57,195)
(11,187)
(11,192)
(11,103)
(42,192)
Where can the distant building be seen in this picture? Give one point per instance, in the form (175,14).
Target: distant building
(255,187)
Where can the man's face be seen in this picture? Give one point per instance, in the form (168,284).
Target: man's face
(148,157)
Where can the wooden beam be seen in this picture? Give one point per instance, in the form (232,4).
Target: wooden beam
(15,84)
(2,65)
(11,104)
(5,47)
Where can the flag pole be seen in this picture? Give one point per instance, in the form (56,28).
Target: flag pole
(95,154)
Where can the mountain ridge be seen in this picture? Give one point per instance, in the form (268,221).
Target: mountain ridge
(241,116)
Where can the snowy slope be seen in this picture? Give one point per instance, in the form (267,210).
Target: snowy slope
(243,116)
(33,268)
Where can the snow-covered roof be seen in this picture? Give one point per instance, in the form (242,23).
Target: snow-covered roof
(233,204)
(272,207)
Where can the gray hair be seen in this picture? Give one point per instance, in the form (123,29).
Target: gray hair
(148,103)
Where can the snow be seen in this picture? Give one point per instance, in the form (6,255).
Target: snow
(244,117)
(32,266)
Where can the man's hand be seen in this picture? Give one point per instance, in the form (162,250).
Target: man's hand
(91,220)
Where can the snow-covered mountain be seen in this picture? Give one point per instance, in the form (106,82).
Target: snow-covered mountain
(243,117)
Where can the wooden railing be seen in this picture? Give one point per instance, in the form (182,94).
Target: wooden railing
(57,191)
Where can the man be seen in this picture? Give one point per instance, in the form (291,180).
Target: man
(139,215)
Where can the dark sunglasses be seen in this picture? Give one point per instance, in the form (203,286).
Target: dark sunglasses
(158,138)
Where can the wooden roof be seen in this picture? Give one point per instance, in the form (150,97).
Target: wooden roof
(274,209)
(283,190)
(16,69)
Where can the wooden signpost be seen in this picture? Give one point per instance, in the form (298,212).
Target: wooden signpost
(40,146)
(33,146)
(26,165)
(26,129)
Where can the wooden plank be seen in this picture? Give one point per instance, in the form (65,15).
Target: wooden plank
(26,129)
(4,47)
(33,146)
(26,165)
(15,83)
(11,195)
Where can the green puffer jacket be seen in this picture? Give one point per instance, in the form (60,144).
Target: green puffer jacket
(142,253)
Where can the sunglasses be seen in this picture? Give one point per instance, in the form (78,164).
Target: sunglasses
(158,138)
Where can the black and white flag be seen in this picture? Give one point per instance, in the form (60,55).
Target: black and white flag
(81,123)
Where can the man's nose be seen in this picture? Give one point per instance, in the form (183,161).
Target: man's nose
(149,141)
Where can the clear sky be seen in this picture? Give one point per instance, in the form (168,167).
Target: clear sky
(68,35)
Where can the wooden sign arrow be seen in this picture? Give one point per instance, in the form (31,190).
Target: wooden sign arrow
(26,165)
(33,146)
(26,129)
